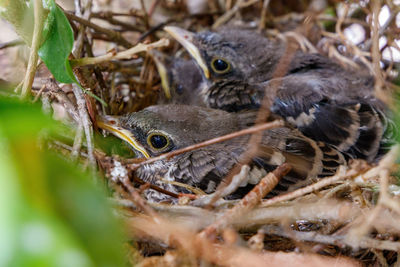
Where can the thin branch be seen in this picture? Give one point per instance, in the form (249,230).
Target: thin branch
(137,199)
(78,45)
(336,240)
(263,19)
(36,42)
(12,43)
(230,13)
(225,254)
(250,200)
(376,56)
(86,123)
(109,17)
(127,54)
(77,141)
(340,176)
(113,35)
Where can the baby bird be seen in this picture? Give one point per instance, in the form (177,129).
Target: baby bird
(164,128)
(316,95)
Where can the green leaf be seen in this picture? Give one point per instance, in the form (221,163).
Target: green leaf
(57,46)
(58,43)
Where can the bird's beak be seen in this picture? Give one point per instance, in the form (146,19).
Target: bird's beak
(112,125)
(161,63)
(185,38)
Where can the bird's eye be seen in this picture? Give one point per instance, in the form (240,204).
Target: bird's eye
(157,141)
(220,65)
(179,89)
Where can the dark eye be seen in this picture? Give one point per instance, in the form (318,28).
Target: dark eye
(157,141)
(220,65)
(179,89)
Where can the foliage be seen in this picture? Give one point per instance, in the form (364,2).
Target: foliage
(51,214)
(57,45)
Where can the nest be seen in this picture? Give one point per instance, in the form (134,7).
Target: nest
(350,218)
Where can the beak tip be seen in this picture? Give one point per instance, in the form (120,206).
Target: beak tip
(186,39)
(207,73)
(170,29)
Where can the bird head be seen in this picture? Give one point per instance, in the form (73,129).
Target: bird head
(163,128)
(230,54)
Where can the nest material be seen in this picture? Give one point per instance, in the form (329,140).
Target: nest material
(351,217)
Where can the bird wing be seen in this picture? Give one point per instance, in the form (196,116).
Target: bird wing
(233,96)
(310,103)
(206,168)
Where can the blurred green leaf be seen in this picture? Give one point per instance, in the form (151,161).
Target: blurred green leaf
(51,213)
(112,145)
(329,25)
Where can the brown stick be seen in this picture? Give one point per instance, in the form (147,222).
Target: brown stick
(114,35)
(250,200)
(313,187)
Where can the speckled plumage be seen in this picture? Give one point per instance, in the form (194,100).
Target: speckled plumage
(205,168)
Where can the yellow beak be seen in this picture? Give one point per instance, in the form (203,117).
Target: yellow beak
(185,38)
(159,59)
(111,124)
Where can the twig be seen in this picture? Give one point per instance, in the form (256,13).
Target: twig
(131,13)
(171,20)
(376,55)
(250,200)
(340,241)
(314,209)
(384,199)
(230,13)
(114,35)
(226,254)
(298,17)
(109,17)
(56,92)
(263,19)
(78,45)
(304,43)
(87,125)
(39,93)
(121,55)
(36,42)
(137,199)
(65,147)
(12,43)
(77,141)
(383,28)
(229,189)
(199,218)
(315,186)
(387,162)
(363,55)
(145,14)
